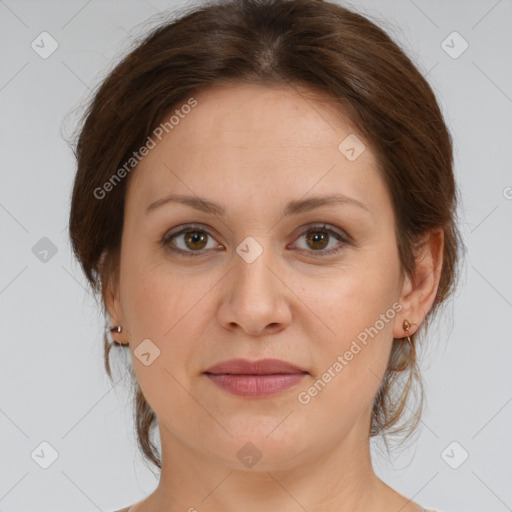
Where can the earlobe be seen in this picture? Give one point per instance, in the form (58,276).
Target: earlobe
(111,300)
(113,307)
(117,332)
(419,292)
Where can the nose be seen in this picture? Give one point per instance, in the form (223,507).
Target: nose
(255,297)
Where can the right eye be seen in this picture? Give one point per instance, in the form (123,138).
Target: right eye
(194,240)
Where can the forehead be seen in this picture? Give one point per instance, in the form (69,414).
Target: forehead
(265,116)
(247,138)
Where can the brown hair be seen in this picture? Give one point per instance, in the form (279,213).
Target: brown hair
(311,43)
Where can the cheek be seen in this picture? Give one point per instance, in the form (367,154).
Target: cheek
(168,305)
(159,306)
(350,362)
(156,294)
(361,320)
(353,298)
(359,306)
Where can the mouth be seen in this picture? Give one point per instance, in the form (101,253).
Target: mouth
(259,378)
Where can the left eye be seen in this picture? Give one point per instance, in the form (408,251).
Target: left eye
(320,236)
(195,239)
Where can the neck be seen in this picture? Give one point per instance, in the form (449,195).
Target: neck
(340,479)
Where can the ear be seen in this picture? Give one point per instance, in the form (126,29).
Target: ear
(419,292)
(113,303)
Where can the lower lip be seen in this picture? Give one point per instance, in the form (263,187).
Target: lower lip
(256,385)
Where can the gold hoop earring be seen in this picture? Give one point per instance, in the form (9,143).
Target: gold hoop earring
(406,325)
(117,329)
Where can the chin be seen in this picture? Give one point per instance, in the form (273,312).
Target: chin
(261,446)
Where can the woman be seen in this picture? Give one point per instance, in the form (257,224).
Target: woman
(265,201)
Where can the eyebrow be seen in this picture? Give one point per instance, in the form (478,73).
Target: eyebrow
(291,208)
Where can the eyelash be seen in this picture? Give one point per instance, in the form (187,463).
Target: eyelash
(197,227)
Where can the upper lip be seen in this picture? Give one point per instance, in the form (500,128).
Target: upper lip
(258,367)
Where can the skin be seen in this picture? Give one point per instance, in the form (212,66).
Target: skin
(252,149)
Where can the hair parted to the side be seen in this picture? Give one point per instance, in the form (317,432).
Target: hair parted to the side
(317,44)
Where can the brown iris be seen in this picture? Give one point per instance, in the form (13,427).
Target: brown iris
(195,237)
(317,238)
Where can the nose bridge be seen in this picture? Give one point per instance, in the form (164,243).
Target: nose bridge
(253,299)
(252,262)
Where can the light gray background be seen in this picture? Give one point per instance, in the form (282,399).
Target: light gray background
(53,386)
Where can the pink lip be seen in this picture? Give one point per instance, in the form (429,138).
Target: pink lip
(255,378)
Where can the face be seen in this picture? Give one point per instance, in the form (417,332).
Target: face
(268,274)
